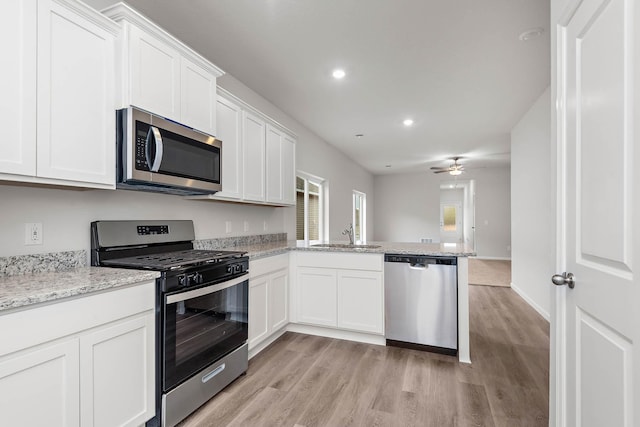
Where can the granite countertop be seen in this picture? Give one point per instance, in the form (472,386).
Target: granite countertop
(261,250)
(27,289)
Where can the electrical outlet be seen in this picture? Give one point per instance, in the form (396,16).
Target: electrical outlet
(228,226)
(33,233)
(246,225)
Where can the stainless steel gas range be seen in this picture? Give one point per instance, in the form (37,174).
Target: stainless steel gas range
(201,308)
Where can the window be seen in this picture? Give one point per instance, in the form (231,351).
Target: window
(309,208)
(359,217)
(449,217)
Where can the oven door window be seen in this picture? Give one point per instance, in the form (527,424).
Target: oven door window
(200,330)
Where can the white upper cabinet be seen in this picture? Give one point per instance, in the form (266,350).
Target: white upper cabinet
(274,164)
(198,97)
(154,73)
(229,123)
(18,87)
(253,138)
(162,75)
(76,102)
(258,155)
(288,170)
(280,176)
(57,85)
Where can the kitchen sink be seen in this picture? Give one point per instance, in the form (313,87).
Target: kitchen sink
(344,246)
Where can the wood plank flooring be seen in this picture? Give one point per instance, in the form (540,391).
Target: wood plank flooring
(306,381)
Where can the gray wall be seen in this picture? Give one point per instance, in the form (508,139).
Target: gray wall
(408,208)
(531,225)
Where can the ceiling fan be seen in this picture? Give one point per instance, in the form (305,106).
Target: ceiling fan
(454,169)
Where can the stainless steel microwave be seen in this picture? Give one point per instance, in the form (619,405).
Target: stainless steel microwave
(157,154)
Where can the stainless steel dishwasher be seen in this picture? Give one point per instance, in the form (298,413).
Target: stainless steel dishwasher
(421,302)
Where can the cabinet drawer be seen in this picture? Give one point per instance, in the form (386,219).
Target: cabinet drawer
(340,260)
(268,264)
(30,327)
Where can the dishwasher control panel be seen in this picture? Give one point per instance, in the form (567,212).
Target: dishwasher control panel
(420,259)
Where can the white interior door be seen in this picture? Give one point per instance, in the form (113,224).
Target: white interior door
(597,321)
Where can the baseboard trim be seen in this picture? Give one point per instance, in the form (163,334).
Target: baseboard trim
(337,334)
(531,302)
(497,258)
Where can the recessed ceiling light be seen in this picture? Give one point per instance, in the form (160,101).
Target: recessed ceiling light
(531,34)
(338,74)
(359,135)
(407,122)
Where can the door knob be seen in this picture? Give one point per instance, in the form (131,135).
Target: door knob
(564,279)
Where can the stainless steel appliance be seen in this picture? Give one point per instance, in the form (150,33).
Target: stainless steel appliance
(421,302)
(156,154)
(201,308)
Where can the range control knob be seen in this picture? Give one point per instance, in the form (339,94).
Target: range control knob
(184,280)
(197,278)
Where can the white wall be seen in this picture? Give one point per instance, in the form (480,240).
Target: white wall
(531,225)
(315,156)
(65,215)
(408,208)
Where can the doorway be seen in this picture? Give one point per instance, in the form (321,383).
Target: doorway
(457,212)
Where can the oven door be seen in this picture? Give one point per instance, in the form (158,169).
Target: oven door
(201,326)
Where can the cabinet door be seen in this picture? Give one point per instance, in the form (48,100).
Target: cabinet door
(117,373)
(40,387)
(155,75)
(288,170)
(229,117)
(274,164)
(76,102)
(18,87)
(360,301)
(278,298)
(253,145)
(198,97)
(258,310)
(317,296)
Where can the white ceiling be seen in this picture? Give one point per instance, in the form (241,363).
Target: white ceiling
(457,68)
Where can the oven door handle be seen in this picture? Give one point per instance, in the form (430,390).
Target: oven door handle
(154,163)
(183,296)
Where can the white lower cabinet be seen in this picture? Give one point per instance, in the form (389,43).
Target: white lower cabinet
(258,310)
(360,301)
(317,289)
(88,361)
(350,297)
(40,387)
(268,298)
(114,355)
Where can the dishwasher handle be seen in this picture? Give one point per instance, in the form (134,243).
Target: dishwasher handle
(417,266)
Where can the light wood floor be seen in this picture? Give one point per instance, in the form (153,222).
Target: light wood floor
(304,380)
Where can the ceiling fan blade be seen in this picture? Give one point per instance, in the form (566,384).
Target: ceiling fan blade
(439,168)
(441,171)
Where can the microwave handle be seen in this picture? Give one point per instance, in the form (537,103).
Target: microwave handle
(154,164)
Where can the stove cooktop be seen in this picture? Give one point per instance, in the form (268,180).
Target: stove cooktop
(173,260)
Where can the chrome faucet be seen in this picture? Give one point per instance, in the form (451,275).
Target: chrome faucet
(349,232)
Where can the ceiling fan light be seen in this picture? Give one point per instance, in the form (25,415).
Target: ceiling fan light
(455,172)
